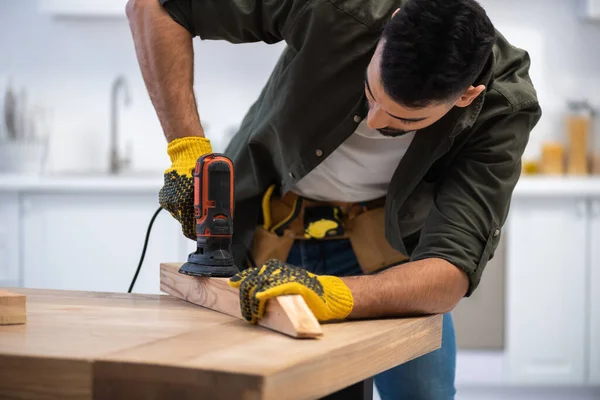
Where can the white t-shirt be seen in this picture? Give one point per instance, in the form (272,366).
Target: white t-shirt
(359,170)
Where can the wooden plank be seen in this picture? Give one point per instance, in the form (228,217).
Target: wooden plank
(12,308)
(285,314)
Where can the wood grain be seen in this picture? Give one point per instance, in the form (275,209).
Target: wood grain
(51,356)
(285,314)
(282,367)
(81,345)
(12,308)
(44,378)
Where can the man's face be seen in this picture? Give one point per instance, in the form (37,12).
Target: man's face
(393,119)
(389,117)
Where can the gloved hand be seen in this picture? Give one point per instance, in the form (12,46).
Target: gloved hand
(327,296)
(177,194)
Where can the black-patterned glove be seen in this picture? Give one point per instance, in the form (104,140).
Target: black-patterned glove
(328,297)
(177,194)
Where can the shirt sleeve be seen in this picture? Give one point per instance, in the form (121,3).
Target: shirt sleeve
(236,21)
(472,201)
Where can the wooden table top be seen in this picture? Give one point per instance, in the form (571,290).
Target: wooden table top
(83,345)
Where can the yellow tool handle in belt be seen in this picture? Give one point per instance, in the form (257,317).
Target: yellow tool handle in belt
(266,207)
(269,224)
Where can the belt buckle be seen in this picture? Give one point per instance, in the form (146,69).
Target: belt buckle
(322,222)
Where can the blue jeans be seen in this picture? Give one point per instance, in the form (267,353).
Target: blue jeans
(427,377)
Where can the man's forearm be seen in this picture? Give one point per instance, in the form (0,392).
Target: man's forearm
(165,54)
(431,286)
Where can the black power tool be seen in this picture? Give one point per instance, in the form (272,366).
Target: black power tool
(213,210)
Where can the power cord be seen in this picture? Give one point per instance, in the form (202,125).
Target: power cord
(248,255)
(144,250)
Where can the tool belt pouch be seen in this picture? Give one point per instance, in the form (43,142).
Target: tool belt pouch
(267,245)
(367,235)
(271,243)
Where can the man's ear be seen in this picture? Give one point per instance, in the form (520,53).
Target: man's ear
(469,95)
(395,12)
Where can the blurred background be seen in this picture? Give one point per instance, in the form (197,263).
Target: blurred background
(82,156)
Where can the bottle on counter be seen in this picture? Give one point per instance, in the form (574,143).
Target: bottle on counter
(595,152)
(578,124)
(553,158)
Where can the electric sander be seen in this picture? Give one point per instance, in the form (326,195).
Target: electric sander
(213,211)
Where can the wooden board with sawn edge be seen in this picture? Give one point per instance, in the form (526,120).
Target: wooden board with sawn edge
(84,345)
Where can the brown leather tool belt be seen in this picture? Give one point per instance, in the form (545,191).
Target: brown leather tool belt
(293,217)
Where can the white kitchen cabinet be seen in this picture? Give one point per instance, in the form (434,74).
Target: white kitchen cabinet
(546,291)
(594,295)
(93,241)
(9,239)
(87,8)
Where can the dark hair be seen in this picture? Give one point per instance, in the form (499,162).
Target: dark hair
(434,50)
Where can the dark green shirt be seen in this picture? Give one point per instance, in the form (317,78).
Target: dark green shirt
(450,194)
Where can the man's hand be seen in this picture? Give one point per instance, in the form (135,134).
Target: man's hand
(328,297)
(177,193)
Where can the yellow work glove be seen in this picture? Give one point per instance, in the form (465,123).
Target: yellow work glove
(177,194)
(328,297)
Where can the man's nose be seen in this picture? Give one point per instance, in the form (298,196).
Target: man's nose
(377,118)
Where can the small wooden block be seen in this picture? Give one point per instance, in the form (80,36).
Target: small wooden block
(12,308)
(285,314)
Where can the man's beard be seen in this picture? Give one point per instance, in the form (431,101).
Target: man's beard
(387,132)
(392,132)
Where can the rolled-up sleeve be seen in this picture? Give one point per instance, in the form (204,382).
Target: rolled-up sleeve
(236,21)
(473,198)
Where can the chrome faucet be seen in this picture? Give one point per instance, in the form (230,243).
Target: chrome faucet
(117,162)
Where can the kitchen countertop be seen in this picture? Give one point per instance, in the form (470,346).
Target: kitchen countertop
(544,186)
(152,181)
(134,182)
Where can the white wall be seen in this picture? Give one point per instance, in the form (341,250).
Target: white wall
(565,52)
(69,64)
